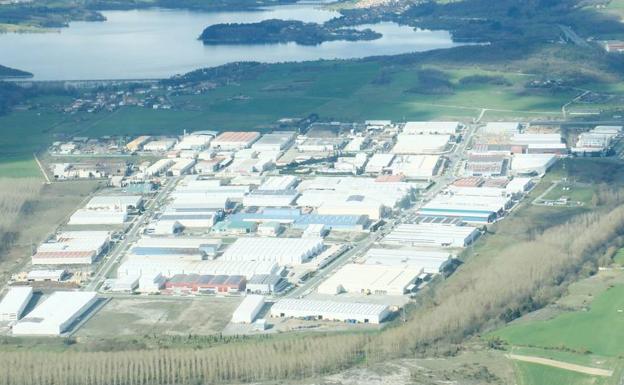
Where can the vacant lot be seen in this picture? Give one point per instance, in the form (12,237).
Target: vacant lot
(139,316)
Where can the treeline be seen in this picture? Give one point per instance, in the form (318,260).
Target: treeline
(500,286)
(16,197)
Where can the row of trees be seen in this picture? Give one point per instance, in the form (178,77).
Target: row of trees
(485,288)
(16,195)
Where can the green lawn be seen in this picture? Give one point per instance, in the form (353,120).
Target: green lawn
(534,374)
(599,330)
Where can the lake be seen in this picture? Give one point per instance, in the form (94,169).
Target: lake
(158,43)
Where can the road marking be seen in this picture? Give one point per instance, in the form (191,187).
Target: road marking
(562,365)
(45,174)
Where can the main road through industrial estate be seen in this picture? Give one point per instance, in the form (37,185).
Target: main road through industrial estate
(449,174)
(135,228)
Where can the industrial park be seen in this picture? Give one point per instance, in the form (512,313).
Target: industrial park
(340,225)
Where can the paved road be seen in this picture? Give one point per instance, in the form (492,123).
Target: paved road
(130,237)
(562,365)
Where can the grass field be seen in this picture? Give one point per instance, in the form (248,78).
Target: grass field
(534,374)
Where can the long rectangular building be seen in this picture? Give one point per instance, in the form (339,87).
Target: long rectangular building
(139,266)
(284,251)
(431,261)
(72,248)
(431,235)
(14,303)
(330,310)
(371,279)
(478,209)
(56,314)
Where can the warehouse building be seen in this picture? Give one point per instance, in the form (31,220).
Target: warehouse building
(532,164)
(178,248)
(371,279)
(159,145)
(432,128)
(420,144)
(501,128)
(275,141)
(151,283)
(137,143)
(432,235)
(234,140)
(378,163)
(56,314)
(14,303)
(182,166)
(281,182)
(431,261)
(72,248)
(159,167)
(272,214)
(98,217)
(284,251)
(270,198)
(416,166)
(205,284)
(330,310)
(248,310)
(140,266)
(191,219)
(358,205)
(196,141)
(46,275)
(477,209)
(115,202)
(265,284)
(519,185)
(333,222)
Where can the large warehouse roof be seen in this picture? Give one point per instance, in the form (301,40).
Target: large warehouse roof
(416,166)
(432,235)
(14,302)
(138,266)
(431,261)
(56,313)
(420,144)
(340,311)
(376,279)
(285,251)
(114,201)
(448,128)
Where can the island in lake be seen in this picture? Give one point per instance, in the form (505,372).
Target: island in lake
(281,31)
(8,72)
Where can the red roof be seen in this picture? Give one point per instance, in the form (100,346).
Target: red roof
(390,178)
(237,136)
(474,181)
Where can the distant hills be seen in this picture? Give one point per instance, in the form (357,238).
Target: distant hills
(8,72)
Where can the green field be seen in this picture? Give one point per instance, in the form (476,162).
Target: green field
(534,374)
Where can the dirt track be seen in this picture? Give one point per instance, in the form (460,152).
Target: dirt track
(562,365)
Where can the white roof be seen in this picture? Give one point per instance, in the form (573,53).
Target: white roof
(247,310)
(378,161)
(431,235)
(501,128)
(415,166)
(356,278)
(420,144)
(431,127)
(315,307)
(15,300)
(528,162)
(280,250)
(429,260)
(45,274)
(517,185)
(467,203)
(281,182)
(121,201)
(535,138)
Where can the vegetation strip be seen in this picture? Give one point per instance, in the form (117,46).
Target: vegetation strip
(562,365)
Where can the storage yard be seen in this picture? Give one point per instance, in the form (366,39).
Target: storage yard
(237,231)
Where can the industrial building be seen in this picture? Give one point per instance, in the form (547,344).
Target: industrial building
(137,143)
(378,163)
(115,202)
(234,140)
(596,142)
(532,164)
(270,198)
(248,310)
(416,166)
(501,128)
(477,209)
(284,251)
(275,141)
(159,167)
(194,141)
(432,235)
(178,248)
(191,219)
(271,214)
(420,144)
(72,248)
(330,310)
(46,275)
(371,279)
(56,314)
(333,222)
(159,145)
(98,217)
(206,284)
(432,128)
(182,166)
(265,284)
(150,283)
(281,182)
(430,261)
(140,266)
(14,303)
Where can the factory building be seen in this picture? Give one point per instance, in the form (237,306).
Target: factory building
(191,219)
(519,185)
(194,141)
(477,209)
(333,222)
(14,303)
(281,182)
(46,275)
(72,248)
(358,205)
(378,163)
(206,284)
(265,284)
(284,251)
(416,166)
(501,128)
(272,214)
(597,141)
(140,266)
(248,310)
(115,202)
(269,229)
(151,283)
(182,166)
(432,128)
(270,198)
(98,217)
(137,143)
(275,141)
(532,164)
(431,235)
(159,145)
(420,144)
(56,314)
(330,310)
(159,167)
(430,261)
(371,279)
(234,140)
(178,248)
